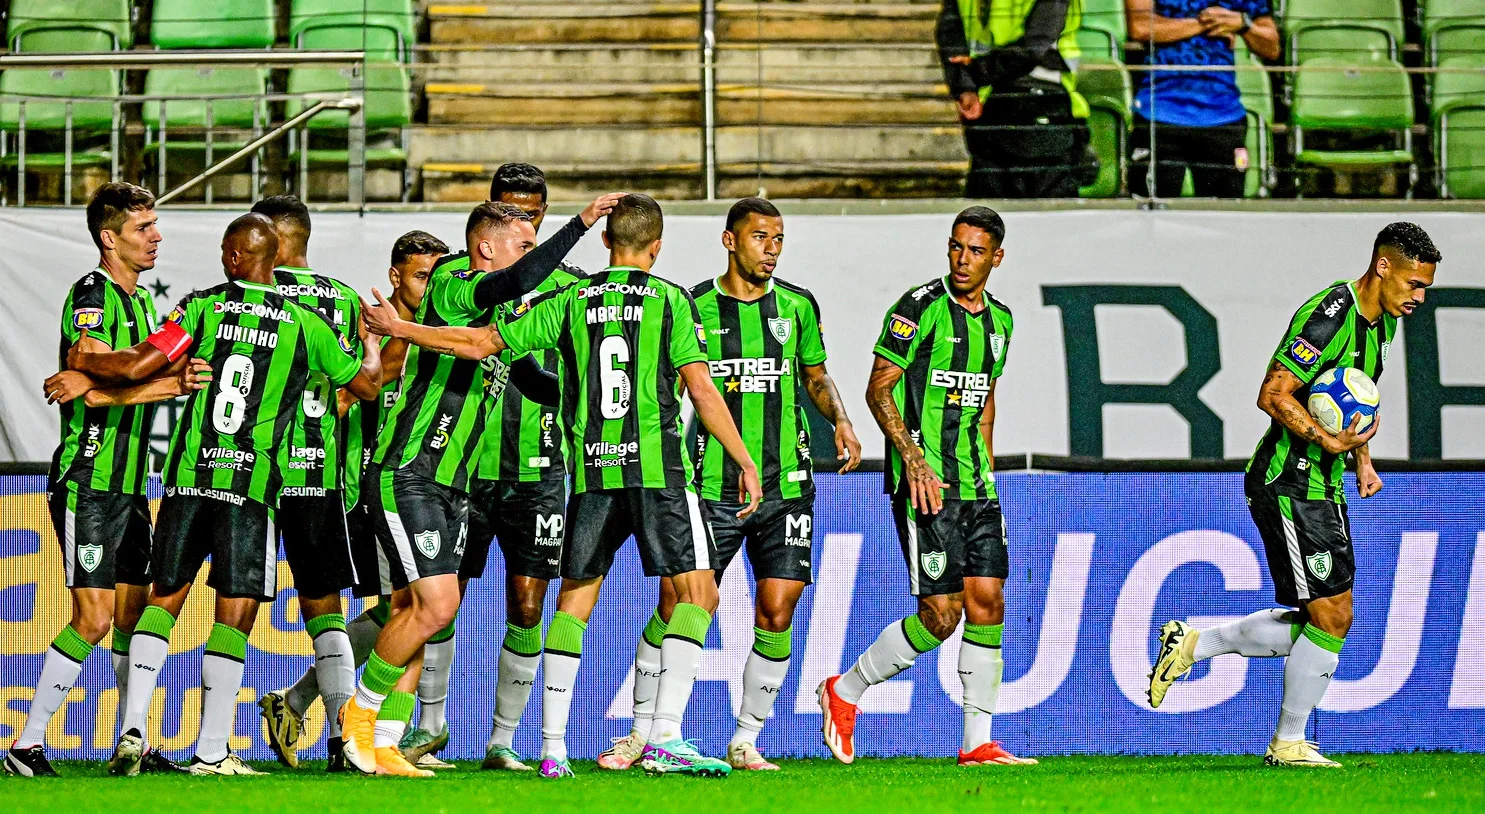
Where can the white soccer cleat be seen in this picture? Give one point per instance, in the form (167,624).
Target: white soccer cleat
(1177,654)
(746,757)
(126,756)
(623,754)
(432,763)
(229,765)
(1300,753)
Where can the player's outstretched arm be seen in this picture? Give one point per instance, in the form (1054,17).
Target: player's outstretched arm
(712,411)
(1276,397)
(826,396)
(535,382)
(183,378)
(463,342)
(925,487)
(136,364)
(987,424)
(526,274)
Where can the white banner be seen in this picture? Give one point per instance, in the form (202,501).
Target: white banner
(1242,274)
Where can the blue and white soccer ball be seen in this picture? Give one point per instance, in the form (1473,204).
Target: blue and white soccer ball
(1341,393)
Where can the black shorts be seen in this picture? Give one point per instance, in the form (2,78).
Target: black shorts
(525,518)
(373,577)
(237,534)
(316,542)
(965,539)
(1307,544)
(779,537)
(420,523)
(667,524)
(105,536)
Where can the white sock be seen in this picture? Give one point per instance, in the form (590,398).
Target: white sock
(361,632)
(146,658)
(889,655)
(681,659)
(1307,674)
(335,675)
(388,733)
(516,674)
(120,671)
(367,699)
(1265,634)
(433,685)
(980,669)
(762,679)
(58,673)
(303,692)
(221,678)
(560,671)
(646,687)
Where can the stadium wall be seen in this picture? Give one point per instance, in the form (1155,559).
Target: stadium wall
(1098,561)
(1113,309)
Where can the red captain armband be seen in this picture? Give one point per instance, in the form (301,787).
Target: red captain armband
(170,339)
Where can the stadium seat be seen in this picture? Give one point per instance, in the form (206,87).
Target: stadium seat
(388,113)
(1458,112)
(1108,95)
(229,24)
(190,114)
(1460,23)
(1335,96)
(69,26)
(1348,29)
(90,119)
(386,28)
(1103,29)
(1258,100)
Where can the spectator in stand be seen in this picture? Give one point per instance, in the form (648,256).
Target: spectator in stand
(1030,139)
(1198,116)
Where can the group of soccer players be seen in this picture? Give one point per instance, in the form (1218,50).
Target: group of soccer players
(379,445)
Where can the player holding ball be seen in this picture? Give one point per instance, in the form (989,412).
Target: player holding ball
(1294,485)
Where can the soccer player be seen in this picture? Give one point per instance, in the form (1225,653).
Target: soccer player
(932,391)
(221,474)
(1295,486)
(517,498)
(626,339)
(425,452)
(95,487)
(764,341)
(413,257)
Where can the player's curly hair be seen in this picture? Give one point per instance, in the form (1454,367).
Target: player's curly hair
(111,203)
(1408,240)
(415,243)
(518,177)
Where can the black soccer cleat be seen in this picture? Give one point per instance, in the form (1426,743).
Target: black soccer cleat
(155,763)
(336,747)
(30,762)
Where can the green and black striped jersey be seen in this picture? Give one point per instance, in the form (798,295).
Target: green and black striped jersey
(1327,332)
(523,439)
(621,337)
(437,422)
(359,426)
(312,456)
(755,351)
(262,348)
(950,358)
(105,448)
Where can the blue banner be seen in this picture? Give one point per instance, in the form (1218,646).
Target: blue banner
(1098,562)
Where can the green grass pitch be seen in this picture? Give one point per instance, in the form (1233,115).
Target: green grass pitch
(1433,782)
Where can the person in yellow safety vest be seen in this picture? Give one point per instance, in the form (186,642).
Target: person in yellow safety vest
(1009,67)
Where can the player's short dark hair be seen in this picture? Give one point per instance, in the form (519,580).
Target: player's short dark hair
(113,202)
(635,223)
(258,233)
(983,218)
(1408,240)
(415,243)
(518,177)
(492,215)
(285,209)
(750,206)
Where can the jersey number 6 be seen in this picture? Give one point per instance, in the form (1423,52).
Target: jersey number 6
(613,351)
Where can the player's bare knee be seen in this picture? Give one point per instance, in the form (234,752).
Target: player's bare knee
(940,614)
(693,589)
(774,618)
(311,607)
(524,609)
(92,623)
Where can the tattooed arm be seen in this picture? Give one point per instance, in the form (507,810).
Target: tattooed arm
(1276,397)
(924,485)
(823,393)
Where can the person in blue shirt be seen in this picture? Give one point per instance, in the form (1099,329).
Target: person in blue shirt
(1198,117)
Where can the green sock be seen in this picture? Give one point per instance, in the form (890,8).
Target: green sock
(918,635)
(326,621)
(155,621)
(72,645)
(771,645)
(1323,639)
(654,632)
(565,634)
(380,677)
(397,707)
(443,635)
(523,641)
(689,622)
(227,641)
(984,635)
(120,642)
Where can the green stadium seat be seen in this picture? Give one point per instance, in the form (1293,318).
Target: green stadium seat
(1357,102)
(1258,100)
(226,24)
(1447,17)
(384,21)
(50,25)
(1108,94)
(1346,29)
(90,119)
(1461,40)
(1458,112)
(388,108)
(1103,29)
(190,114)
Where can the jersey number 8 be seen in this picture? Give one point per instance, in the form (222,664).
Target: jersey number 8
(230,407)
(613,351)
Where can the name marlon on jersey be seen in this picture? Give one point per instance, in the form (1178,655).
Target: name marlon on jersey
(615,313)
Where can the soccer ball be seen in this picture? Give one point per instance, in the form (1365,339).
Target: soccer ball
(1341,393)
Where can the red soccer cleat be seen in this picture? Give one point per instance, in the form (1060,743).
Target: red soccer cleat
(993,753)
(840,721)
